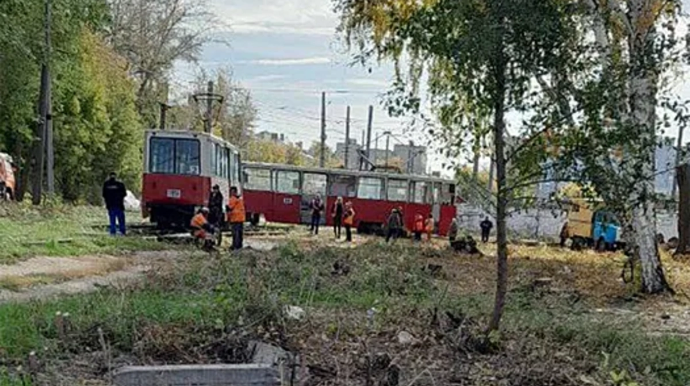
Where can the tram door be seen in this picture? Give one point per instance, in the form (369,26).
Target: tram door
(436,201)
(313,184)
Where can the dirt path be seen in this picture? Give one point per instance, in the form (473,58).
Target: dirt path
(49,277)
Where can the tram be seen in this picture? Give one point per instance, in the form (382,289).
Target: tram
(283,193)
(180,168)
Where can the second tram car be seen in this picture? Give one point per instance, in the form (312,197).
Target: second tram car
(282,193)
(180,167)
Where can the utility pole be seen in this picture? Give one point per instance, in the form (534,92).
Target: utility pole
(50,148)
(42,135)
(347,139)
(322,158)
(164,110)
(369,124)
(208,123)
(361,160)
(374,157)
(388,140)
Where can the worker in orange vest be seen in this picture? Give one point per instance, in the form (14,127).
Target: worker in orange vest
(348,221)
(418,227)
(236,217)
(202,229)
(429,226)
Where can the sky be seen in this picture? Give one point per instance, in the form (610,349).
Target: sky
(286,52)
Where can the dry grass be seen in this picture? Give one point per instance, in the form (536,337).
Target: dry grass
(70,269)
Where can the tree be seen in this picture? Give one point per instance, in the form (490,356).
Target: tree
(21,53)
(259,150)
(233,120)
(153,35)
(486,52)
(330,160)
(616,87)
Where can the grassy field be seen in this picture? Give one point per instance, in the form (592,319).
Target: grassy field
(60,231)
(203,310)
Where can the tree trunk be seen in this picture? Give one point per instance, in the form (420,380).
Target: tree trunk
(502,196)
(475,166)
(683,176)
(643,85)
(653,278)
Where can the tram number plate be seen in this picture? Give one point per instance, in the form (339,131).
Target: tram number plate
(287,201)
(174,193)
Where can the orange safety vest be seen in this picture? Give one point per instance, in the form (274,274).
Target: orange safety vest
(349,218)
(198,223)
(419,223)
(429,225)
(237,212)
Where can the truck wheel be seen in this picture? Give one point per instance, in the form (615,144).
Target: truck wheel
(600,245)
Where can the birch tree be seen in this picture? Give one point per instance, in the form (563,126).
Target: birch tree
(613,139)
(481,58)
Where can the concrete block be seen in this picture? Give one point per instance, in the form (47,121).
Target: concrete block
(197,375)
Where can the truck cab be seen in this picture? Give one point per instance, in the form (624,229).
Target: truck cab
(592,225)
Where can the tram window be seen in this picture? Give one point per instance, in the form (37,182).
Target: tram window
(162,159)
(314,183)
(397,190)
(235,170)
(436,193)
(447,194)
(257,179)
(174,156)
(187,156)
(369,188)
(343,186)
(419,192)
(287,182)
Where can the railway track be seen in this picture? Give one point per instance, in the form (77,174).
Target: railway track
(181,235)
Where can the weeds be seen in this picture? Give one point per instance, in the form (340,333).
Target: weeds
(356,301)
(59,230)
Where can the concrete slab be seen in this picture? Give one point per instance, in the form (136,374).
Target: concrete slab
(198,375)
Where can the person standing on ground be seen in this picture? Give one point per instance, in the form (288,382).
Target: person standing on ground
(394,225)
(486,226)
(429,226)
(236,218)
(215,207)
(338,210)
(348,221)
(418,227)
(316,209)
(565,234)
(114,193)
(453,231)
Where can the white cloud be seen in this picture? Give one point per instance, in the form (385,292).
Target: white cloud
(266,78)
(368,82)
(291,62)
(277,16)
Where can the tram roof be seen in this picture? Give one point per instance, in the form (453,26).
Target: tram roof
(187,134)
(264,165)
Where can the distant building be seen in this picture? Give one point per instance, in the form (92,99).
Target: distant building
(414,158)
(270,136)
(352,153)
(665,160)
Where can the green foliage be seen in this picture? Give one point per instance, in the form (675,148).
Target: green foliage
(96,126)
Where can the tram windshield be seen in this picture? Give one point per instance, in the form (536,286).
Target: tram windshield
(174,156)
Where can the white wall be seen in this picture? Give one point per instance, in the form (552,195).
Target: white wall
(543,223)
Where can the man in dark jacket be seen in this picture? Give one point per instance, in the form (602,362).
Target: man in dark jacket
(394,225)
(215,207)
(114,193)
(316,209)
(486,226)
